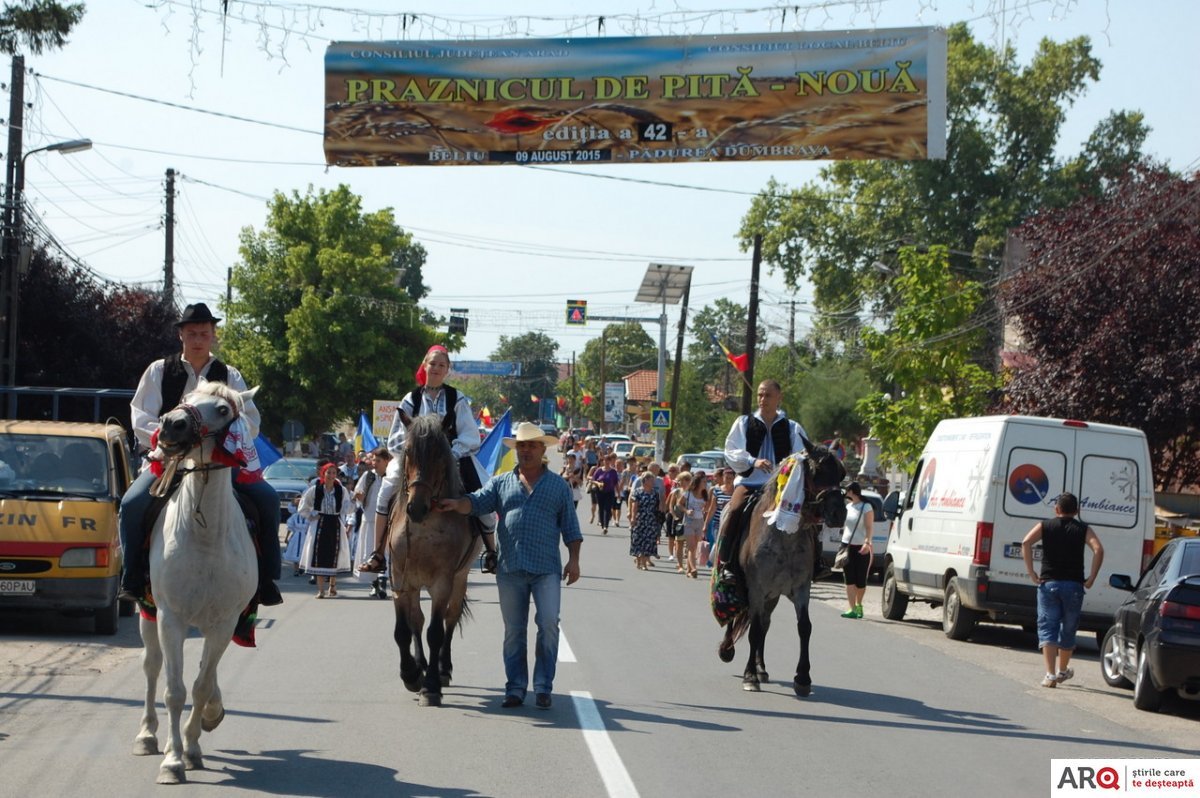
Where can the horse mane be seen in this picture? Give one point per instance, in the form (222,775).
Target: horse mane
(221,391)
(427,442)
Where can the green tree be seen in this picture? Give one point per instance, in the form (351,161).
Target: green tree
(1003,123)
(536,352)
(627,348)
(317,318)
(39,25)
(925,357)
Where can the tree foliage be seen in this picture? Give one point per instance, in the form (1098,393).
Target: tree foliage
(1003,123)
(627,348)
(39,25)
(536,352)
(1106,303)
(726,320)
(318,318)
(925,356)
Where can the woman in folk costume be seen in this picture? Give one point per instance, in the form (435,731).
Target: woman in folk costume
(432,395)
(327,544)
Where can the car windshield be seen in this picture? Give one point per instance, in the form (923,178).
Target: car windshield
(291,469)
(53,464)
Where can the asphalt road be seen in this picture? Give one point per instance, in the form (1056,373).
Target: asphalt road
(642,704)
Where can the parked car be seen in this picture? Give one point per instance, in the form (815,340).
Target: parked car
(716,454)
(623,448)
(832,536)
(549,429)
(1154,643)
(642,452)
(61,485)
(701,462)
(290,477)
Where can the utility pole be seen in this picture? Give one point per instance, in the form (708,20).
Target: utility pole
(574,396)
(752,326)
(169,260)
(9,279)
(678,360)
(603,375)
(792,341)
(228,285)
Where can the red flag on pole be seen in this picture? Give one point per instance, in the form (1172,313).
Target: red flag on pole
(739,362)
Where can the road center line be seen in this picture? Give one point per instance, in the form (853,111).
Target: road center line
(617,781)
(565,654)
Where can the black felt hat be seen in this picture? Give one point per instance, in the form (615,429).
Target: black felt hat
(196,314)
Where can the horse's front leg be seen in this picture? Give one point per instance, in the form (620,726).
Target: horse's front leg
(756,636)
(431,690)
(410,671)
(802,683)
(146,741)
(207,709)
(171,633)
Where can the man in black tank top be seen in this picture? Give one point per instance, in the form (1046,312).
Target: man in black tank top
(1061,584)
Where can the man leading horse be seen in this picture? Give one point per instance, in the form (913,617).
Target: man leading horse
(755,446)
(160,389)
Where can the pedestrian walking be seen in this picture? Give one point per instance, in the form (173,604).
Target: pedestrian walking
(643,521)
(327,543)
(856,536)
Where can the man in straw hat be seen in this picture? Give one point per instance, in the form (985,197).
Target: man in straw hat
(536,511)
(164,383)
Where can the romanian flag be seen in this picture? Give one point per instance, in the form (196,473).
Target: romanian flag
(739,362)
(533,398)
(485,416)
(494,456)
(587,397)
(562,403)
(364,438)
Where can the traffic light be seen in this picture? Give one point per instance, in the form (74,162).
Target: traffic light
(458,321)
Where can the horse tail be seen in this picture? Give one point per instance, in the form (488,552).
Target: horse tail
(739,625)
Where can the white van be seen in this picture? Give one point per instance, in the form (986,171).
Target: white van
(980,486)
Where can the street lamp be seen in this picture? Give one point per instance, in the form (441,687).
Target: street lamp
(13,258)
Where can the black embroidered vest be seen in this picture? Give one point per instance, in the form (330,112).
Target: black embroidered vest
(175,376)
(756,433)
(450,422)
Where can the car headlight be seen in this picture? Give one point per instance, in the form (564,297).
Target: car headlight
(84,558)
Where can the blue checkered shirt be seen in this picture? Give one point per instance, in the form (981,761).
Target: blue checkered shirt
(531,524)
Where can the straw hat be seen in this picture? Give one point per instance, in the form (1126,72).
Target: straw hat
(527,431)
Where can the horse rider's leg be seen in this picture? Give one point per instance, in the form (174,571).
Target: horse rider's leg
(133,536)
(146,741)
(266,502)
(402,633)
(171,634)
(802,684)
(387,491)
(207,711)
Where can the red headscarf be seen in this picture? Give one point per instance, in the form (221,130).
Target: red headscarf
(325,469)
(421,368)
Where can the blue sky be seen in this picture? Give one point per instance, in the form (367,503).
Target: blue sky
(511,244)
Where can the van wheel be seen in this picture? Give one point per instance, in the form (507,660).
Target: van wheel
(1145,695)
(106,618)
(1110,661)
(957,621)
(894,602)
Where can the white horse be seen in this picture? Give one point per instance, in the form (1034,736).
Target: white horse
(203,572)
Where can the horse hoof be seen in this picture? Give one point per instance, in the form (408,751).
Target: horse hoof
(763,677)
(413,685)
(145,746)
(208,725)
(171,775)
(802,690)
(445,679)
(430,700)
(195,762)
(726,654)
(751,686)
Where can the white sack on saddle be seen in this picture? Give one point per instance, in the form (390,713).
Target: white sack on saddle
(789,495)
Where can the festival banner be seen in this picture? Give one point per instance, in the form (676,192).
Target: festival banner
(828,95)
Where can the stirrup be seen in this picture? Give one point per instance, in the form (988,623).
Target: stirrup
(374,564)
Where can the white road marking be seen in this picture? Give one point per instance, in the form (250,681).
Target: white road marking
(565,654)
(617,781)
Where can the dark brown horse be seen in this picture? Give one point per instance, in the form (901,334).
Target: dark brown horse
(431,551)
(778,564)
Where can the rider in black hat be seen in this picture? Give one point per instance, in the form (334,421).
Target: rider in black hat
(164,383)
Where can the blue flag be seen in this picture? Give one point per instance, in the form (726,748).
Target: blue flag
(492,451)
(267,453)
(364,438)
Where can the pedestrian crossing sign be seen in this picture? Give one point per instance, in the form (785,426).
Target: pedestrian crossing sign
(660,418)
(576,311)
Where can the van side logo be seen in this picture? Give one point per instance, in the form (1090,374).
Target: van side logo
(1028,484)
(926,490)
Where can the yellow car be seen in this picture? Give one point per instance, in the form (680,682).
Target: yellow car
(60,490)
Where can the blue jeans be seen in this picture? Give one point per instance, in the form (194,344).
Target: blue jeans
(1058,606)
(515,591)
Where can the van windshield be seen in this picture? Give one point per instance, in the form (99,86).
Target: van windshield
(53,464)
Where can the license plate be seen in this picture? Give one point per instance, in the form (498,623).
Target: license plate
(1013,551)
(16,587)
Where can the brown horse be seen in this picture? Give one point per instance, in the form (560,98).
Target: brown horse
(778,564)
(431,551)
